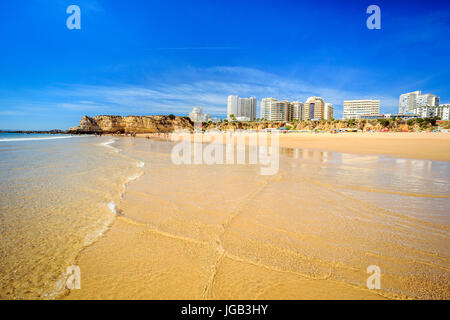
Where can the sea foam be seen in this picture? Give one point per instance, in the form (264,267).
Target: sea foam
(108,144)
(33,139)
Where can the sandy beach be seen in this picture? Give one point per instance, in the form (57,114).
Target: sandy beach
(412,145)
(308,232)
(430,146)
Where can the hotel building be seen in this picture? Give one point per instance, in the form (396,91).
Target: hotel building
(274,110)
(297,110)
(242,108)
(328,114)
(355,109)
(314,109)
(411,100)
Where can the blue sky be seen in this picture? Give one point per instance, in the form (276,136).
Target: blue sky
(161,57)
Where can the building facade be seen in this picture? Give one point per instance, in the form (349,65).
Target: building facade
(445,113)
(355,109)
(427,100)
(196,115)
(232,105)
(297,110)
(328,114)
(241,107)
(314,109)
(441,111)
(411,100)
(275,110)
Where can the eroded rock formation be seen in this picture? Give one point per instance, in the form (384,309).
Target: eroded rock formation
(152,124)
(128,124)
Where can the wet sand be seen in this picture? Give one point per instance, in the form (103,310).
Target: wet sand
(411,145)
(308,232)
(430,146)
(57,194)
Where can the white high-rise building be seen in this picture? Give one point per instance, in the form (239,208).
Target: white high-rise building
(407,102)
(298,110)
(354,109)
(242,108)
(266,105)
(411,100)
(248,107)
(427,100)
(275,110)
(328,112)
(232,106)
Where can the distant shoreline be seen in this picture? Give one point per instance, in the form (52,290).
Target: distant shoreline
(404,145)
(36,131)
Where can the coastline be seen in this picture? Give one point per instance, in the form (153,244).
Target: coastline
(410,145)
(138,259)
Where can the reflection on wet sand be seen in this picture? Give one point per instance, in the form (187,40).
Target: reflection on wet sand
(309,231)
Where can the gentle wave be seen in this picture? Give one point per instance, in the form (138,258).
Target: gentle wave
(112,206)
(108,144)
(31,139)
(134,177)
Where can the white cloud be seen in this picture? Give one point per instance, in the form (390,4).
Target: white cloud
(206,88)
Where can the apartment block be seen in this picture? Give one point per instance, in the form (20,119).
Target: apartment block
(411,100)
(355,109)
(328,113)
(275,110)
(297,110)
(314,109)
(441,111)
(243,108)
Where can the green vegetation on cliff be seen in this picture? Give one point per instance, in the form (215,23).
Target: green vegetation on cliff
(150,124)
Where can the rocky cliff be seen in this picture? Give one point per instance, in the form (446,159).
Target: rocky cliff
(128,124)
(151,124)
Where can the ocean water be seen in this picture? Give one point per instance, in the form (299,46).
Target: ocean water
(58,194)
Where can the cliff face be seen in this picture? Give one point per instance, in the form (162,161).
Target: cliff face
(138,124)
(151,124)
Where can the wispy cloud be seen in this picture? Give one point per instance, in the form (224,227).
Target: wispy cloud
(207,88)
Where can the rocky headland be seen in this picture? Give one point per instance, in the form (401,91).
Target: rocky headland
(131,124)
(157,124)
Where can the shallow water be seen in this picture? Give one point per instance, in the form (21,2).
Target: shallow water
(323,215)
(57,196)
